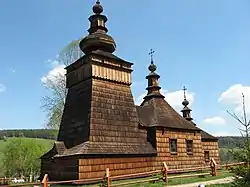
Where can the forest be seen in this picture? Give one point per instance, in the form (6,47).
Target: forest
(29,133)
(224,141)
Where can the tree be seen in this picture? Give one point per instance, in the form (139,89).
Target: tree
(21,157)
(242,177)
(53,103)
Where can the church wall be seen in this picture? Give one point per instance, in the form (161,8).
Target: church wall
(60,169)
(113,114)
(95,168)
(180,159)
(213,150)
(74,127)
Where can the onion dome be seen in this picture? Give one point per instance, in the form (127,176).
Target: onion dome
(98,39)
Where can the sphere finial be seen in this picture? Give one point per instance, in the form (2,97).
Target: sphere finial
(97,8)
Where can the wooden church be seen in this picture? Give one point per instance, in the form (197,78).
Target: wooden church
(101,126)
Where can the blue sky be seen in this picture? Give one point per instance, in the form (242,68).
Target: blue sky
(201,44)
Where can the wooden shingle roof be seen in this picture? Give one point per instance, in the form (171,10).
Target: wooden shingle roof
(101,148)
(206,136)
(156,112)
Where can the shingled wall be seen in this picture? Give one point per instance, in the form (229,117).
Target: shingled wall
(181,159)
(91,168)
(60,169)
(213,148)
(113,114)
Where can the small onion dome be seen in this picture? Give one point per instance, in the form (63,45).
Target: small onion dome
(152,67)
(185,102)
(97,8)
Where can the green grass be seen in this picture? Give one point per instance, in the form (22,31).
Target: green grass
(200,179)
(220,185)
(160,183)
(45,142)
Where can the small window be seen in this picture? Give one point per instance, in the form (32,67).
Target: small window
(189,145)
(173,146)
(206,156)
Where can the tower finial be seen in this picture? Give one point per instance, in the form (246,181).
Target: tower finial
(151,53)
(97,8)
(153,82)
(184,89)
(186,111)
(185,102)
(98,39)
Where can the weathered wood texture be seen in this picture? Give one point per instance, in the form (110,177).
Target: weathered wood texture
(213,148)
(92,168)
(113,114)
(60,169)
(182,159)
(74,127)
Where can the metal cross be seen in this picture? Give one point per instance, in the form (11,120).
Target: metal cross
(151,53)
(184,89)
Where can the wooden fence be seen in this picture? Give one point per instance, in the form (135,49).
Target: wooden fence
(165,175)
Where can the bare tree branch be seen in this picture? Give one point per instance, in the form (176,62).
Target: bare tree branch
(235,117)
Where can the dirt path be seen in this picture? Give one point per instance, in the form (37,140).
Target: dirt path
(217,181)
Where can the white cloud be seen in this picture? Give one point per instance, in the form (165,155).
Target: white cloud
(173,98)
(215,121)
(54,74)
(2,88)
(233,97)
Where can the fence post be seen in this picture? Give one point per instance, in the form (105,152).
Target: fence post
(213,166)
(165,172)
(108,177)
(45,180)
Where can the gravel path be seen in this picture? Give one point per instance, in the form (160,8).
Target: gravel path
(217,181)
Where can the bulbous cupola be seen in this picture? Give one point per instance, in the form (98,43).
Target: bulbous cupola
(98,39)
(153,82)
(186,111)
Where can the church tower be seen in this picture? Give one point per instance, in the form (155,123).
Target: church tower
(99,118)
(186,111)
(99,109)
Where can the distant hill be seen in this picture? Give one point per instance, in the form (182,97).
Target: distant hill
(231,141)
(30,133)
(224,141)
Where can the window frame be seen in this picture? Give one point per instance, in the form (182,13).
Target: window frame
(192,147)
(170,145)
(207,159)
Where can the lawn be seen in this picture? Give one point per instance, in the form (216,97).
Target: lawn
(162,184)
(219,185)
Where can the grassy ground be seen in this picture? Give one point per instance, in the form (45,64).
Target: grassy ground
(219,185)
(171,181)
